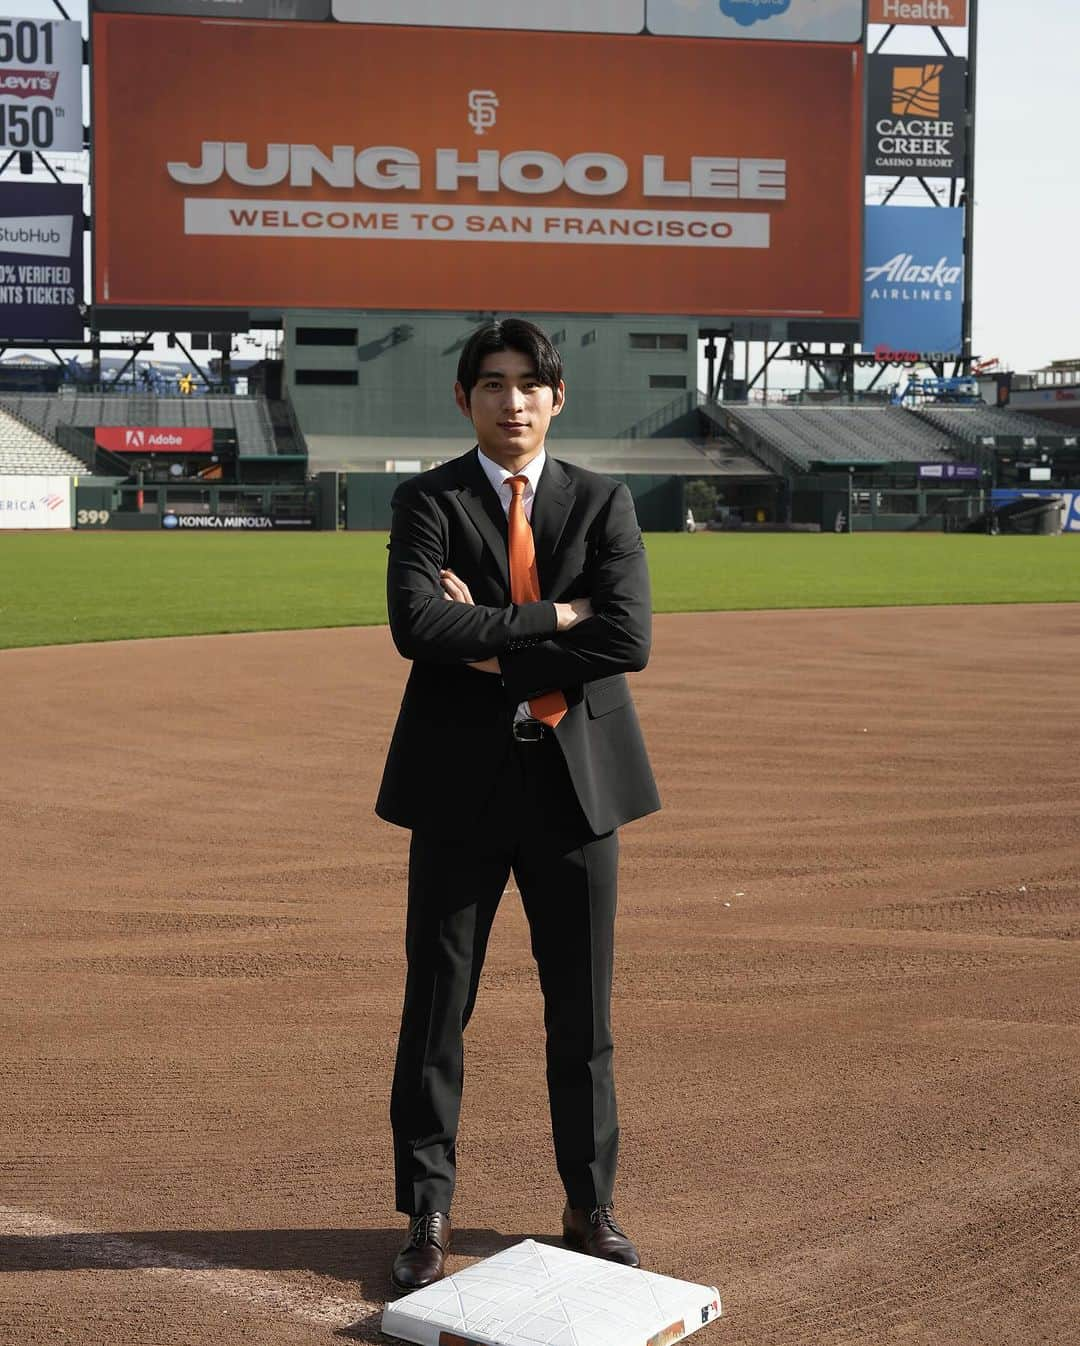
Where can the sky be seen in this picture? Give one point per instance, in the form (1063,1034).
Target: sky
(1027,185)
(1026,297)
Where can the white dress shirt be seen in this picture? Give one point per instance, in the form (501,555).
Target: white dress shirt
(500,478)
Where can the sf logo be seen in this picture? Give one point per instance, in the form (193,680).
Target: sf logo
(482,105)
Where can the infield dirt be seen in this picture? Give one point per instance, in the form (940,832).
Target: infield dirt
(847,994)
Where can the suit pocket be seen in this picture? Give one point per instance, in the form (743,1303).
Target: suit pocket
(606,694)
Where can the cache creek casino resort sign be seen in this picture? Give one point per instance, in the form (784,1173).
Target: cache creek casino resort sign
(360,163)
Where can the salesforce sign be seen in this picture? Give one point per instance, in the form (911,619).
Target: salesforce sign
(913,279)
(781,20)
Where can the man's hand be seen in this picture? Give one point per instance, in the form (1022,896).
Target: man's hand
(491,665)
(457,591)
(569,614)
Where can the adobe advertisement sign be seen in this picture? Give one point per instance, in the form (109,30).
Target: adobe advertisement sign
(147,439)
(915,116)
(41,261)
(299,177)
(781,20)
(41,85)
(913,280)
(933,13)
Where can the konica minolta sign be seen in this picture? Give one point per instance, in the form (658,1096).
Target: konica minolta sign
(913,279)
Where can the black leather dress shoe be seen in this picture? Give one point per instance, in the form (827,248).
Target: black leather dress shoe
(422,1259)
(596,1232)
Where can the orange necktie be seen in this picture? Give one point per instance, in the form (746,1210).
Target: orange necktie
(525,587)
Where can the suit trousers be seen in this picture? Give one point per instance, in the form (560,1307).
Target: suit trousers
(532,827)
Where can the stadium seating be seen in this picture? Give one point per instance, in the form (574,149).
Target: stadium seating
(661,457)
(803,435)
(248,416)
(664,457)
(23,451)
(973,424)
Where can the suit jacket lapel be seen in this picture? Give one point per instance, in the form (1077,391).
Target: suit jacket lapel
(480,502)
(551,509)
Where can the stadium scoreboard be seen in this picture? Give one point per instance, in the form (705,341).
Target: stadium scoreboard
(632,156)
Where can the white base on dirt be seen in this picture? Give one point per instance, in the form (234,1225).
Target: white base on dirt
(536,1295)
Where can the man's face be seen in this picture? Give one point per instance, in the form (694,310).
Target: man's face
(510,408)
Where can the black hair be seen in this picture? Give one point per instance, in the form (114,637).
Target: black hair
(513,334)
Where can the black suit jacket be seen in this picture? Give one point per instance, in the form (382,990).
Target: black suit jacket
(453,730)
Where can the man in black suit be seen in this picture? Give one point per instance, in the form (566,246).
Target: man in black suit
(518,586)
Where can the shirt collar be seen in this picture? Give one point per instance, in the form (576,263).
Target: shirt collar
(498,476)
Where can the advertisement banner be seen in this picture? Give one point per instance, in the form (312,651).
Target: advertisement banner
(231,523)
(915,116)
(913,288)
(933,13)
(782,20)
(553,16)
(307,10)
(1070,504)
(299,177)
(41,85)
(35,502)
(949,472)
(41,260)
(145,439)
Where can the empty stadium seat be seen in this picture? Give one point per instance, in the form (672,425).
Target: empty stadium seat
(975,423)
(248,416)
(24,451)
(803,435)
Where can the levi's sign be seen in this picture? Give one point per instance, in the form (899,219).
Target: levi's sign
(41,85)
(302,178)
(148,439)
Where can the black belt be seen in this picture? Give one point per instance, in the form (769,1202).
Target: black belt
(529,731)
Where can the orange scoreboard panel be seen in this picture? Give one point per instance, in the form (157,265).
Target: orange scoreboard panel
(305,165)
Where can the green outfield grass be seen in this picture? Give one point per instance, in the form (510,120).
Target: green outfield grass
(59,588)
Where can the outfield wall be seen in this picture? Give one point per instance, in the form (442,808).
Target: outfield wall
(36,502)
(660,501)
(121,506)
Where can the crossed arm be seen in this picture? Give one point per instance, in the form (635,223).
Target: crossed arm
(567,615)
(535,646)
